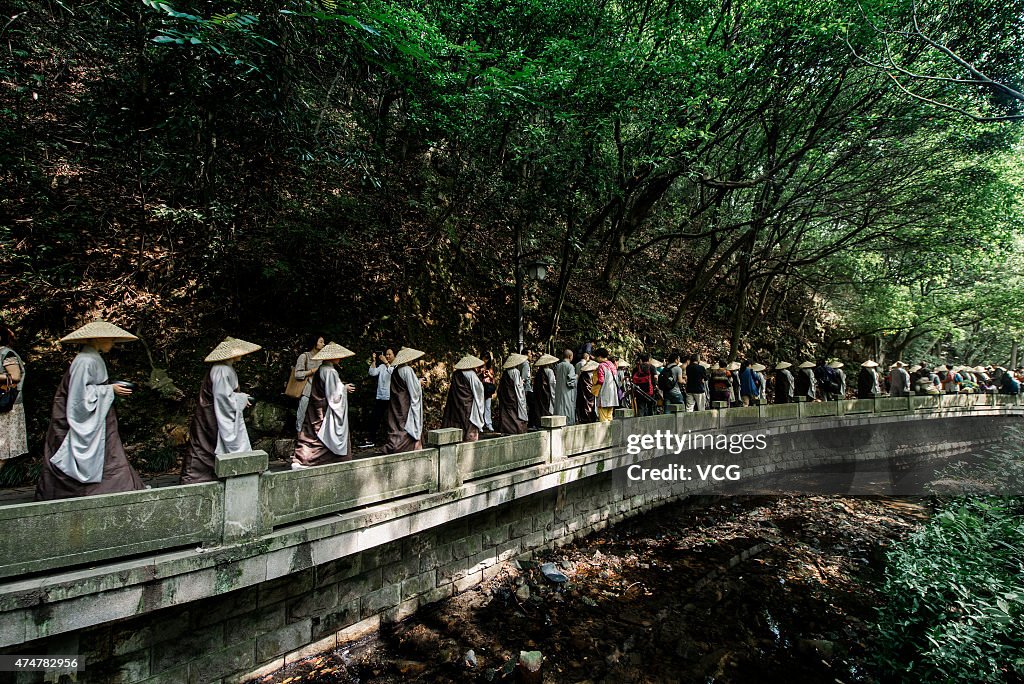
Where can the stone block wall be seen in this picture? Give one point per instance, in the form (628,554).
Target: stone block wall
(243,634)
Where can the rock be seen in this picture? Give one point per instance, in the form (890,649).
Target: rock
(566,564)
(523,592)
(283,449)
(470,658)
(529,666)
(269,418)
(410,666)
(587,601)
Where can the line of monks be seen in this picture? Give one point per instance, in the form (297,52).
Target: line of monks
(83,453)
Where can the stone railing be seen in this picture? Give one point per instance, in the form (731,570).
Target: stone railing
(248,501)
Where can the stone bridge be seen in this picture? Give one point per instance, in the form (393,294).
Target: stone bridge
(223,581)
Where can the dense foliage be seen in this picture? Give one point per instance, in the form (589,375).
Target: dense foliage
(955,606)
(741,176)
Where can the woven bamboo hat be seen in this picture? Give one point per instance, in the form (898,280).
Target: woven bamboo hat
(231,348)
(757,367)
(734,366)
(406,355)
(333,350)
(869,364)
(914,368)
(704,364)
(513,361)
(622,364)
(656,363)
(806,364)
(590,366)
(979,369)
(835,364)
(469,362)
(99,330)
(781,365)
(545,360)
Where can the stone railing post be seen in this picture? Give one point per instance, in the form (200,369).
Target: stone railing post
(800,401)
(841,407)
(240,473)
(910,402)
(556,447)
(446,441)
(619,416)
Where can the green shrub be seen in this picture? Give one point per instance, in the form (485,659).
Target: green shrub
(955,589)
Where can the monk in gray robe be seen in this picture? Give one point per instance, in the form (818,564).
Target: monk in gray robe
(405,410)
(512,410)
(565,388)
(325,437)
(218,426)
(585,401)
(464,407)
(83,453)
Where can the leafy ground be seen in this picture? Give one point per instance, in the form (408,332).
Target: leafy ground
(768,589)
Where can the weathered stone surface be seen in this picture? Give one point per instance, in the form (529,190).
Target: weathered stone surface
(280,641)
(241,463)
(444,436)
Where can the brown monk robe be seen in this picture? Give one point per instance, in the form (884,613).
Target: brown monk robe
(118,474)
(544,391)
(310,450)
(585,412)
(405,412)
(512,411)
(464,407)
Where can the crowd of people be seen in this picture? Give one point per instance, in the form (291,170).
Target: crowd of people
(83,453)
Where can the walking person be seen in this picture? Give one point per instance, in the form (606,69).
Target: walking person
(806,383)
(644,378)
(736,397)
(83,453)
(750,385)
(606,389)
(586,405)
(405,408)
(672,381)
(544,386)
(837,366)
(382,369)
(13,435)
(305,366)
(565,388)
(533,421)
(325,436)
(867,381)
(900,384)
(464,406)
(721,383)
(218,426)
(487,378)
(696,379)
(784,383)
(512,410)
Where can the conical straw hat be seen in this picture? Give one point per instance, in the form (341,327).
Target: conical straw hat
(469,362)
(781,365)
(757,367)
(231,348)
(869,364)
(806,364)
(545,360)
(622,364)
(734,366)
(835,364)
(915,368)
(656,363)
(704,364)
(589,366)
(513,361)
(333,350)
(406,355)
(99,330)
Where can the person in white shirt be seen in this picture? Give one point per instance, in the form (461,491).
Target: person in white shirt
(381,368)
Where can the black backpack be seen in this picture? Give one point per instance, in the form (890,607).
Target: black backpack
(666,380)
